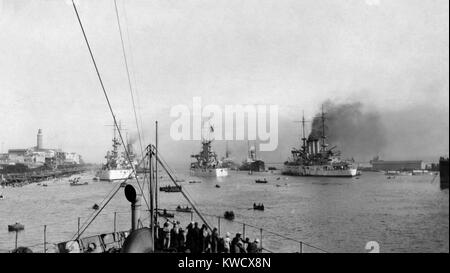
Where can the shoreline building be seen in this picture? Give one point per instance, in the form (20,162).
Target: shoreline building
(397,165)
(39,156)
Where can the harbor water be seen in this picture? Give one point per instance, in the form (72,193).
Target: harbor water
(405,214)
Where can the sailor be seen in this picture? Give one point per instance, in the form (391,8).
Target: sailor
(181,241)
(252,247)
(166,235)
(258,247)
(190,237)
(239,247)
(204,236)
(234,242)
(174,237)
(246,243)
(227,243)
(196,238)
(214,240)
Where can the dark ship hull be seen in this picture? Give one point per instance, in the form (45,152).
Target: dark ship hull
(255,166)
(443,172)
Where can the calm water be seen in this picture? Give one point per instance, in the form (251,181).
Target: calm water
(406,214)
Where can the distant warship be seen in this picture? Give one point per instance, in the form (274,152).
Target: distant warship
(207,163)
(310,160)
(252,164)
(117,166)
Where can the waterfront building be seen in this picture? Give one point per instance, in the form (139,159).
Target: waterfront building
(38,155)
(400,165)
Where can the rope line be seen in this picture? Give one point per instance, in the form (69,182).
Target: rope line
(128,76)
(107,99)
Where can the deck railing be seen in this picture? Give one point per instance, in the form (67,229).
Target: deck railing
(270,241)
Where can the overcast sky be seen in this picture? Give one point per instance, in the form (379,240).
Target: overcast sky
(392,56)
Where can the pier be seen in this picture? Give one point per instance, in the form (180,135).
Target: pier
(21,179)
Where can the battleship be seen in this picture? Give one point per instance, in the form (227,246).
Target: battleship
(207,163)
(118,165)
(310,160)
(252,163)
(228,161)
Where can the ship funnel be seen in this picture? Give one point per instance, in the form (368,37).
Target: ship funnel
(135,200)
(311,147)
(130,148)
(316,146)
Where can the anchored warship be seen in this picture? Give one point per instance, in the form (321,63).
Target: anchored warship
(252,163)
(118,165)
(207,163)
(312,160)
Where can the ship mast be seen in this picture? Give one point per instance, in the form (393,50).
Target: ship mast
(323,137)
(226,149)
(303,133)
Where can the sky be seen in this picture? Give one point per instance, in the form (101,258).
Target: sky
(392,57)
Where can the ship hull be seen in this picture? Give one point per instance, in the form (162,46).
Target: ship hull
(319,171)
(217,172)
(443,171)
(114,175)
(256,166)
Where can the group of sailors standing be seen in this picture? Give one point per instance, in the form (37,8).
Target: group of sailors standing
(171,237)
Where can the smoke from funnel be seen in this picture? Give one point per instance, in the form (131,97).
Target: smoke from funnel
(355,132)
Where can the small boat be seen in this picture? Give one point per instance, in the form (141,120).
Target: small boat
(165,214)
(217,186)
(78,183)
(258,207)
(185,209)
(195,181)
(261,181)
(95,206)
(229,215)
(44,185)
(170,188)
(2,197)
(96,178)
(16,227)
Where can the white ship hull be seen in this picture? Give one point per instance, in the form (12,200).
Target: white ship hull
(114,175)
(217,172)
(319,170)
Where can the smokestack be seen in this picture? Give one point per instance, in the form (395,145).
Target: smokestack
(39,140)
(135,213)
(130,148)
(316,146)
(311,147)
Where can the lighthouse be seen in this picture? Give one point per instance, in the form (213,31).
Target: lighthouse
(39,145)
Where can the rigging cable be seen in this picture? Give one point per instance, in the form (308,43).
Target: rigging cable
(183,192)
(128,75)
(133,74)
(107,100)
(85,226)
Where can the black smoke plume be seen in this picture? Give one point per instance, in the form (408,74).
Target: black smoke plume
(355,132)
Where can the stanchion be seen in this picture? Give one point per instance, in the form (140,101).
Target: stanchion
(78,232)
(115,217)
(45,238)
(218,223)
